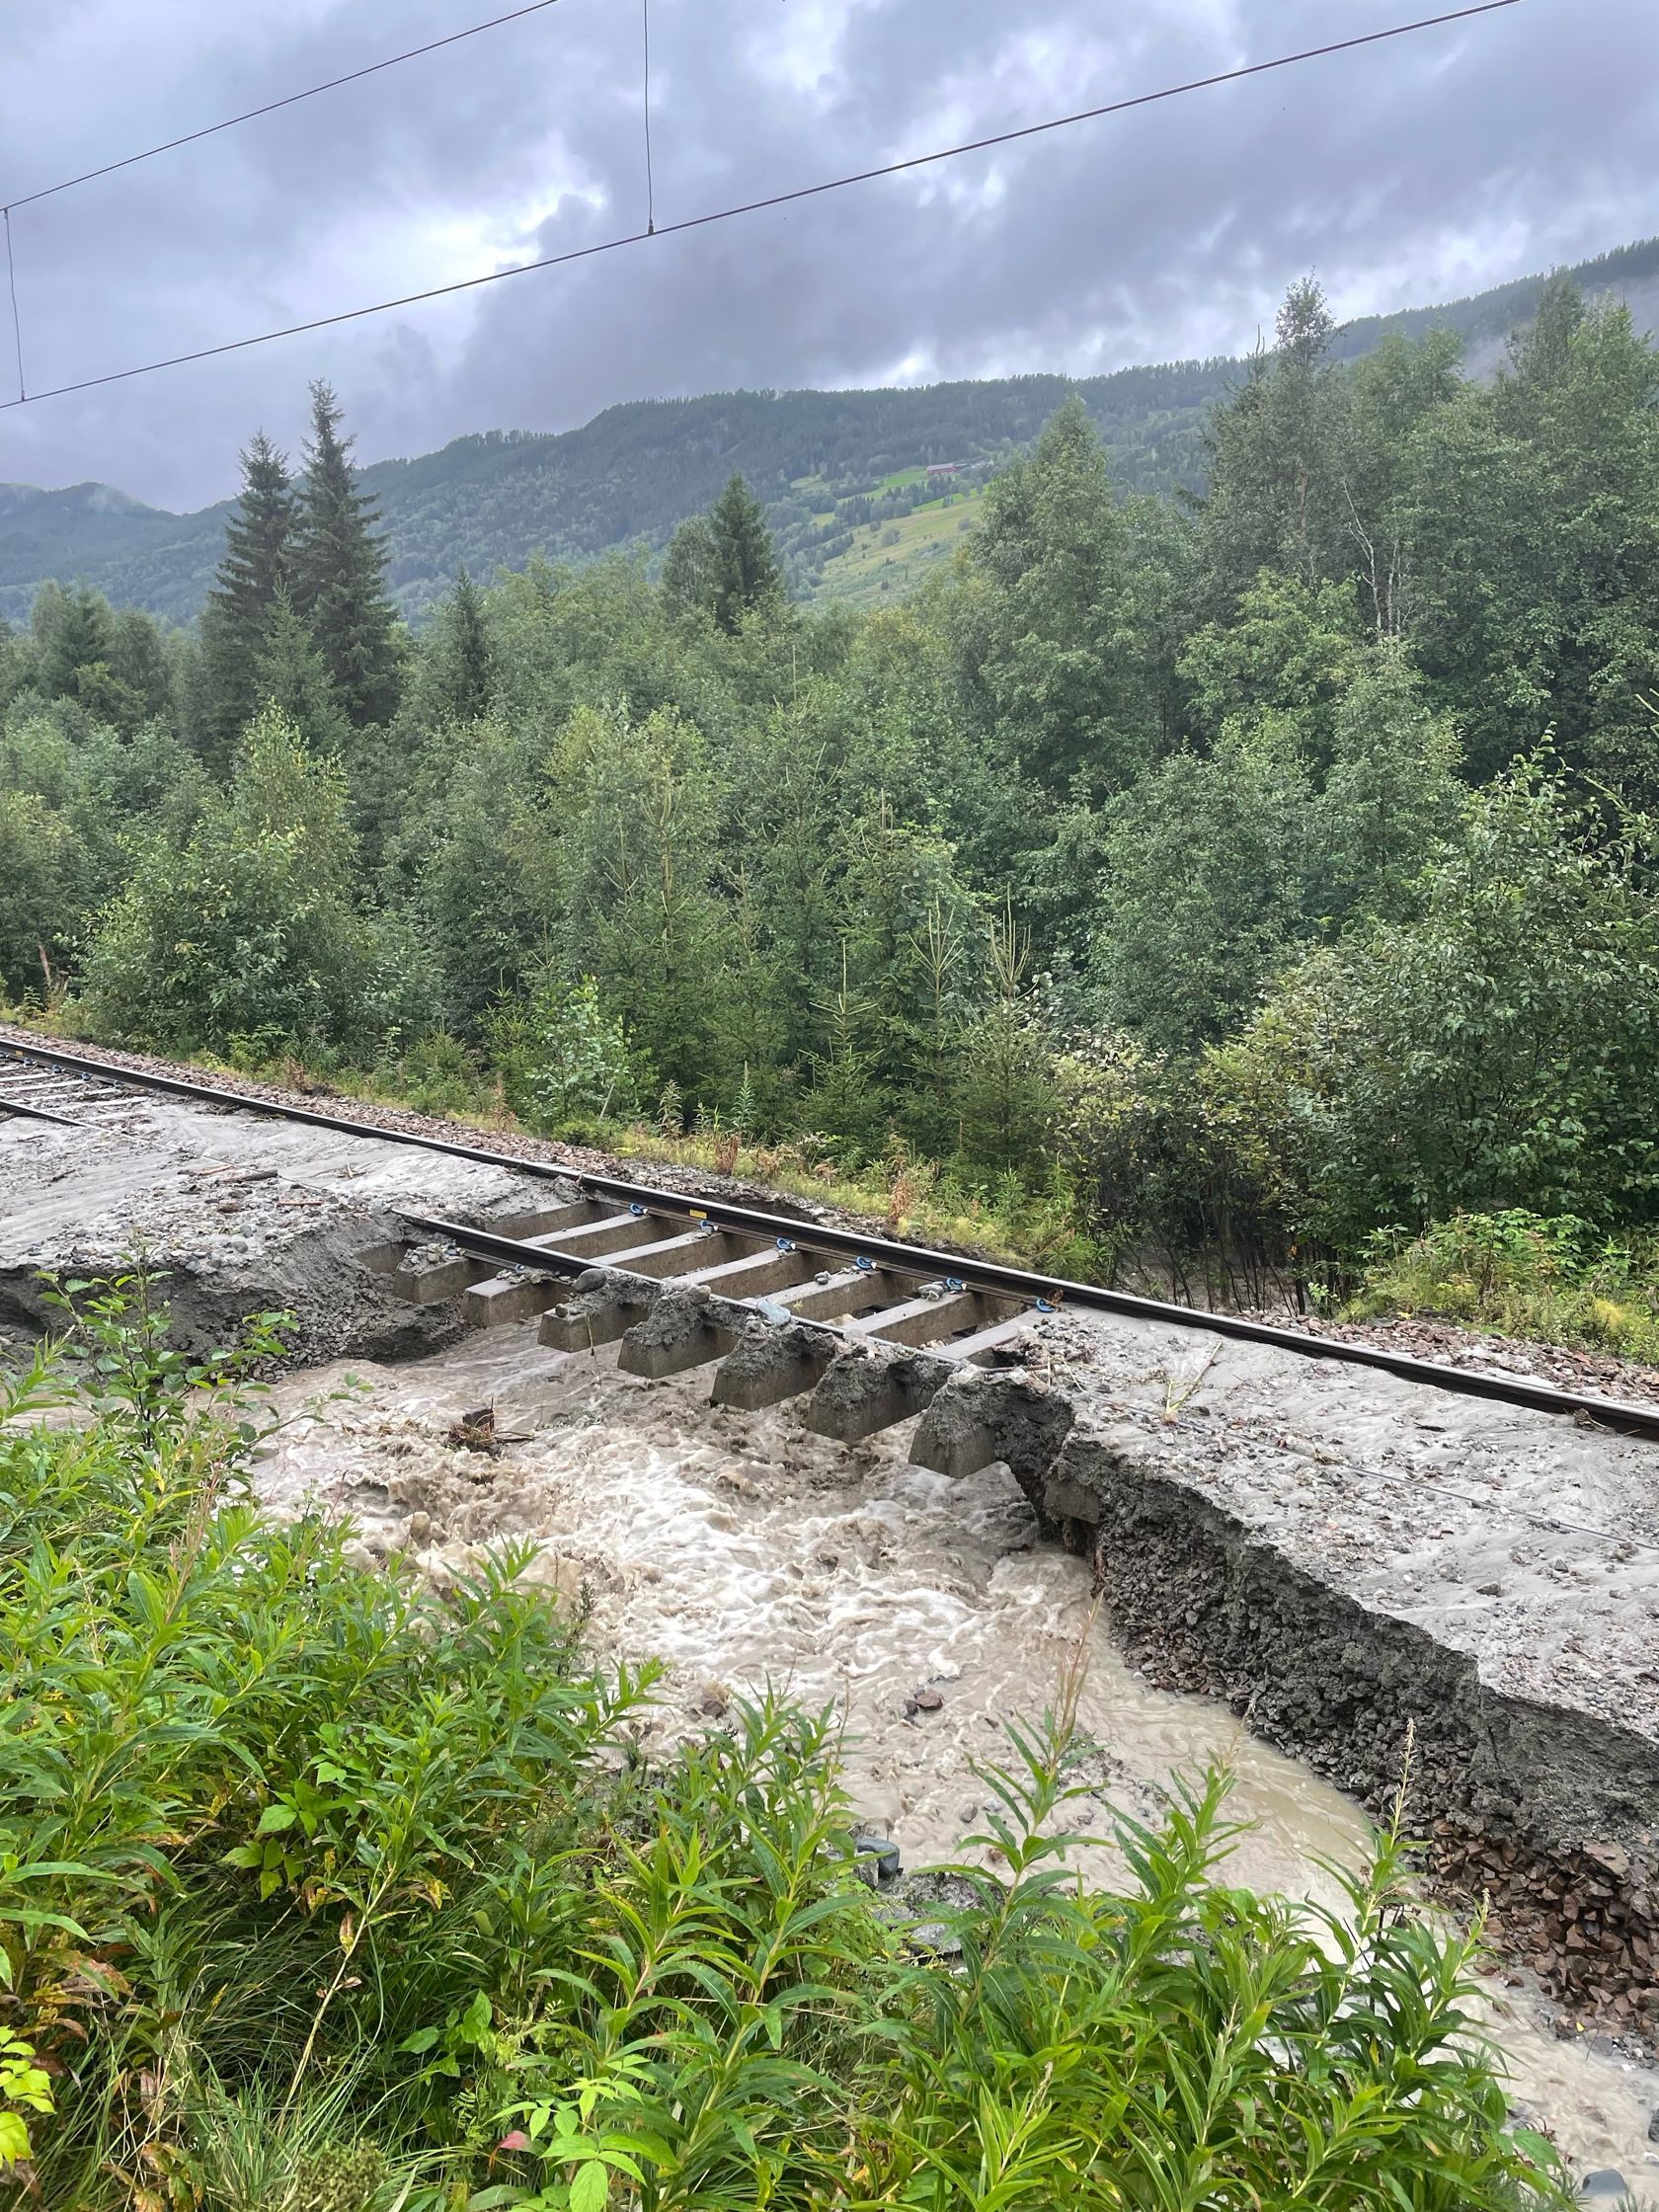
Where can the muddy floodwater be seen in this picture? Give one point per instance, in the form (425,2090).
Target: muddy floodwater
(740,1549)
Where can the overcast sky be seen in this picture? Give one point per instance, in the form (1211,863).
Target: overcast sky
(1401,174)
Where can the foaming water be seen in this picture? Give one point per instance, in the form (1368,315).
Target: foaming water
(741,1550)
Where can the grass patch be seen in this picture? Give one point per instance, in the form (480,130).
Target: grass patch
(907,1197)
(1518,1274)
(876,558)
(322,1892)
(904,1195)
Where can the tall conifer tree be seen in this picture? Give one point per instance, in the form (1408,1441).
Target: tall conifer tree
(745,570)
(461,651)
(292,678)
(339,581)
(258,537)
(259,548)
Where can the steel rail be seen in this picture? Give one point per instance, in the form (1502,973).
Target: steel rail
(29,1113)
(902,1257)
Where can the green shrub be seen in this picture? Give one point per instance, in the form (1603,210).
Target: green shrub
(564,1061)
(436,1075)
(1163,1179)
(746,2038)
(251,933)
(1499,1049)
(1521,1275)
(238,1779)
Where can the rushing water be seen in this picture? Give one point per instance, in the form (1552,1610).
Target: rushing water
(740,1549)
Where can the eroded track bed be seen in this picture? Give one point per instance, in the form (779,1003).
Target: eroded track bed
(1343,1552)
(739,1546)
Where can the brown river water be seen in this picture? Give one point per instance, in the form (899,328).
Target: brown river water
(742,1550)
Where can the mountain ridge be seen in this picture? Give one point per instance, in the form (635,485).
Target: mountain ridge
(839,471)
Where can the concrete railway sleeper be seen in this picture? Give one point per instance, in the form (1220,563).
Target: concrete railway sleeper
(775,1317)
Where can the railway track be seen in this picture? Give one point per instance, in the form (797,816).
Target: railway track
(1344,1606)
(72,1096)
(823,1288)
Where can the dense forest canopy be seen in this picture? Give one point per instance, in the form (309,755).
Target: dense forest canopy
(1243,874)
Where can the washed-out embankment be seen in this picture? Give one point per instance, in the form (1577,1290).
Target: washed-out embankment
(1532,1757)
(1543,1810)
(1349,1560)
(1379,1622)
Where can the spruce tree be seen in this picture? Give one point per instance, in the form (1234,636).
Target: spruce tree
(643,914)
(259,538)
(745,571)
(690,568)
(76,635)
(461,653)
(1004,1099)
(259,547)
(339,587)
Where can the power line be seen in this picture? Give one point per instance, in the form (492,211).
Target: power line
(757,207)
(650,185)
(292,99)
(16,326)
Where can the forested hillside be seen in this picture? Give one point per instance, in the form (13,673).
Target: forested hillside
(819,460)
(836,471)
(1240,882)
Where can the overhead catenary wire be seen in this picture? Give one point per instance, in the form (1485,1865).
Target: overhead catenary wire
(789,197)
(17,324)
(272,107)
(649,181)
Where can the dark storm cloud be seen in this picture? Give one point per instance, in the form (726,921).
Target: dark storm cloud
(1401,172)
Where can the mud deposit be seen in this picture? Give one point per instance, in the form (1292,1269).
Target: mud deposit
(742,1549)
(241,1214)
